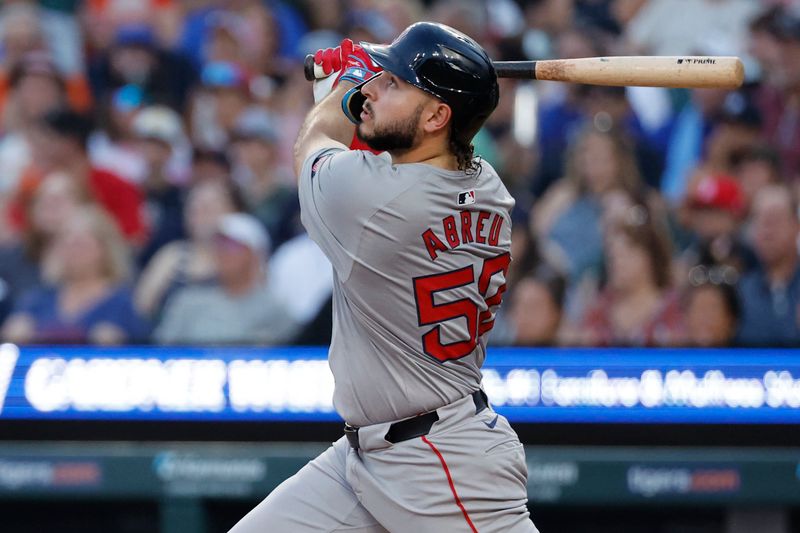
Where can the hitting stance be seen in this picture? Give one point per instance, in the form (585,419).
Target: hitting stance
(419,238)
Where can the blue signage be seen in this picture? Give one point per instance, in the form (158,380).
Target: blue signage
(295,384)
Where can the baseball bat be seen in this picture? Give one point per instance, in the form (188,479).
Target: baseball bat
(689,72)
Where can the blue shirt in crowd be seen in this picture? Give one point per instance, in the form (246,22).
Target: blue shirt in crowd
(52,327)
(769,313)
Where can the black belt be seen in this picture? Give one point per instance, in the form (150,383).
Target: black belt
(413,427)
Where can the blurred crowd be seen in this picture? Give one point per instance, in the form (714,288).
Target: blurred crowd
(147,196)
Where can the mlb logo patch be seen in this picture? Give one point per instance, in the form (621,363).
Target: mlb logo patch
(466,198)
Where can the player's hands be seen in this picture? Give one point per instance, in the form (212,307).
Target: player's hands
(330,59)
(347,61)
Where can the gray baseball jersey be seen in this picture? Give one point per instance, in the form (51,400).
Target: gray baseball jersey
(420,255)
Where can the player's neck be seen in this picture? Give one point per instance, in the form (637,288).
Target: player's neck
(434,156)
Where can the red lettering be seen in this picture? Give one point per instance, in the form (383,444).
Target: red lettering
(432,243)
(431,313)
(466,227)
(494,231)
(482,216)
(495,265)
(450,231)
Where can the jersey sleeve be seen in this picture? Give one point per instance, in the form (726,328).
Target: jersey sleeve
(339,191)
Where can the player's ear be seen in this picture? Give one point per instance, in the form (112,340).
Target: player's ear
(437,116)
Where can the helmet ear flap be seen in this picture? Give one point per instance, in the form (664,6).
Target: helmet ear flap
(353,102)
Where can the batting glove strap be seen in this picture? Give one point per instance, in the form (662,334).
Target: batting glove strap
(356,75)
(357,66)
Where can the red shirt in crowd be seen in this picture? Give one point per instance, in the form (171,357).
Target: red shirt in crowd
(665,327)
(120,198)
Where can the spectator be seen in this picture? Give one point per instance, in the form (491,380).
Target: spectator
(468,16)
(35,87)
(685,145)
(569,215)
(21,32)
(545,20)
(89,302)
(713,213)
(111,145)
(26,262)
(190,260)
(27,27)
(560,117)
(260,35)
(103,18)
(536,307)
(247,33)
(59,143)
(370,25)
(712,129)
(765,48)
(770,293)
(711,306)
(302,276)
(159,138)
(777,98)
(268,194)
(210,165)
(135,58)
(756,168)
(227,37)
(513,148)
(637,306)
(223,97)
(240,306)
(655,30)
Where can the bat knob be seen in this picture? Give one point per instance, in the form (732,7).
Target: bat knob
(308,68)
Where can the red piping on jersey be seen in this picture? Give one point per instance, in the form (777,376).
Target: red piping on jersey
(452,485)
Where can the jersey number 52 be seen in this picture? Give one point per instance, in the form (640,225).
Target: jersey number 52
(478,322)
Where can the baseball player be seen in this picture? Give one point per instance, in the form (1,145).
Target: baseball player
(419,239)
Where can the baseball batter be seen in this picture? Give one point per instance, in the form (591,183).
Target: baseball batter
(419,238)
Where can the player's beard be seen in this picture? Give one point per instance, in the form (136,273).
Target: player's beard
(398,136)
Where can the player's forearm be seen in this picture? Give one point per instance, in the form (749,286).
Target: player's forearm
(325,126)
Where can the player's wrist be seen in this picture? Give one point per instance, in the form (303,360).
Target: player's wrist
(356,74)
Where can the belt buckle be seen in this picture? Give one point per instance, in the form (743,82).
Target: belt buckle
(351,432)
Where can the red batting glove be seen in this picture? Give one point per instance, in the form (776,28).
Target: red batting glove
(349,60)
(357,65)
(330,59)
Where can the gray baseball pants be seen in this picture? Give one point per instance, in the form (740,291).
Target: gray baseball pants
(467,474)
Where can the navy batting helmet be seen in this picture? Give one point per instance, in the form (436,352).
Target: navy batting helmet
(445,63)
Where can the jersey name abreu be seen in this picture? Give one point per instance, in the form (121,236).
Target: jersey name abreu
(462,228)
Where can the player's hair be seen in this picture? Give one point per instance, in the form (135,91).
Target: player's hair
(465,154)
